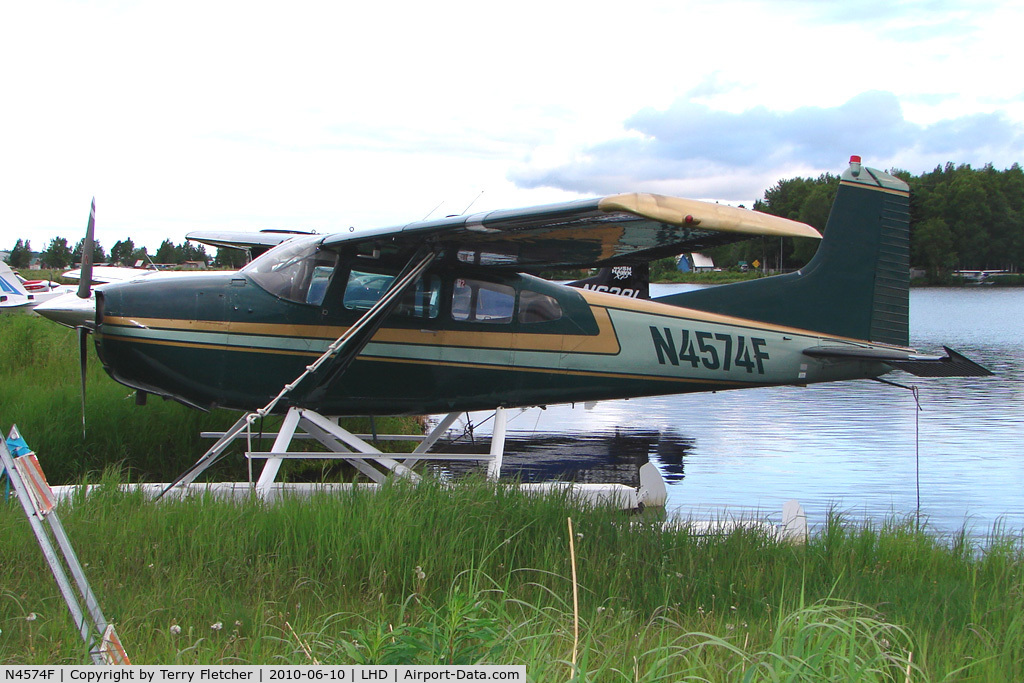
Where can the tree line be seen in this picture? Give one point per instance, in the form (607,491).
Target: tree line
(960,218)
(58,254)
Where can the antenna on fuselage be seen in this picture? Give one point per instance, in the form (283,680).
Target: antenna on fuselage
(441,203)
(472,203)
(433,210)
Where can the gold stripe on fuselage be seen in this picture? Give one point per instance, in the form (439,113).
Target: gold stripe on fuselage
(605,342)
(214,347)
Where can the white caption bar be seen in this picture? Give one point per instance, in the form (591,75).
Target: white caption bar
(260,674)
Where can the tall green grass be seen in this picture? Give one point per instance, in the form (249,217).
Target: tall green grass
(478,573)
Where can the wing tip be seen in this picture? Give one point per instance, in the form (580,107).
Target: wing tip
(709,216)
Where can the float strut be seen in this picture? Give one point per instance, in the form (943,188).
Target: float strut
(497,444)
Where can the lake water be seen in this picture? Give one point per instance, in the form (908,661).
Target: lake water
(848,446)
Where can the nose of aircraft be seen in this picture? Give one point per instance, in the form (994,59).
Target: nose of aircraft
(70,310)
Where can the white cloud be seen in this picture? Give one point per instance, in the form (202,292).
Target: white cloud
(691,148)
(314,114)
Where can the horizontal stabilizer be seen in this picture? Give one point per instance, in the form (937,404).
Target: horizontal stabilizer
(953,364)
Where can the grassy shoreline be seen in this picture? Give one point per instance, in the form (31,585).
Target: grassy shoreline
(477,573)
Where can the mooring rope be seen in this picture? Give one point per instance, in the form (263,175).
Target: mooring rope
(916,391)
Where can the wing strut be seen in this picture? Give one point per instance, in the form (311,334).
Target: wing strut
(339,355)
(325,369)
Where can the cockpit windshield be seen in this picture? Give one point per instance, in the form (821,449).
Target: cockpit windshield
(297,270)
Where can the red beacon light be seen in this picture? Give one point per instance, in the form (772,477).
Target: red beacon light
(855,165)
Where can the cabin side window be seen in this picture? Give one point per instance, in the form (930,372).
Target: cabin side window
(298,270)
(318,284)
(364,289)
(423,300)
(535,307)
(482,302)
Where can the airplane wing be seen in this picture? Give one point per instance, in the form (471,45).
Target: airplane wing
(105,274)
(623,228)
(256,242)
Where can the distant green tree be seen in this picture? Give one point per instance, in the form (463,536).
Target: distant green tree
(21,255)
(664,268)
(970,217)
(165,253)
(1012,187)
(786,197)
(191,252)
(58,254)
(121,252)
(934,247)
(814,211)
(180,253)
(983,209)
(817,204)
(98,254)
(230,258)
(807,200)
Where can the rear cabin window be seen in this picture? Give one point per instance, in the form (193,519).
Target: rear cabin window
(364,289)
(538,308)
(482,302)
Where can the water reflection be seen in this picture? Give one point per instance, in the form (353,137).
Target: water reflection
(613,456)
(851,446)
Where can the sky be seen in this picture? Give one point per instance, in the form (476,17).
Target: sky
(180,116)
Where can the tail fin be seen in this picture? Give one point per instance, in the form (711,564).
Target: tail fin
(632,281)
(857,285)
(11,287)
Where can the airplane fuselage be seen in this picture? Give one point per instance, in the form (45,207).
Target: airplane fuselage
(433,317)
(465,340)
